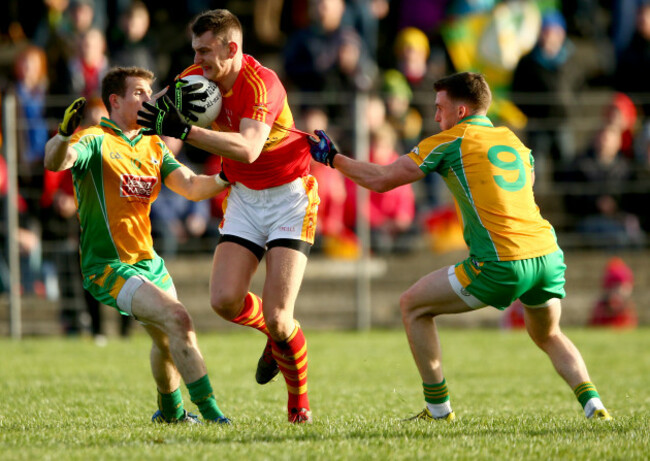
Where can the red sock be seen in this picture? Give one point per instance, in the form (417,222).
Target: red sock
(251,315)
(291,356)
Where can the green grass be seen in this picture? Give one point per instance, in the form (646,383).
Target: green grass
(68,399)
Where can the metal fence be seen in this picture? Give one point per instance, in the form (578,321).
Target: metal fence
(57,260)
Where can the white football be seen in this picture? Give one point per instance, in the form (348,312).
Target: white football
(212,102)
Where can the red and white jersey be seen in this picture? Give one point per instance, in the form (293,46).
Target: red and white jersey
(258,94)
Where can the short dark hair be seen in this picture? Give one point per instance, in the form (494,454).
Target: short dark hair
(219,22)
(114,82)
(468,87)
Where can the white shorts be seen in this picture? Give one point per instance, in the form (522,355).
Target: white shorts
(469,299)
(261,216)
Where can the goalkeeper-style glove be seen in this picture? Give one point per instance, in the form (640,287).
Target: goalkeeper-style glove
(163,119)
(322,148)
(72,117)
(184,95)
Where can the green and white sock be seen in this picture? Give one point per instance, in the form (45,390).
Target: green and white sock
(437,398)
(203,397)
(171,405)
(588,397)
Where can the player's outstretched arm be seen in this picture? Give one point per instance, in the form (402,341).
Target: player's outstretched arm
(58,153)
(194,186)
(378,178)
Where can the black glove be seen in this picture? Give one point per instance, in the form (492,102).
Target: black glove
(163,119)
(72,117)
(184,95)
(322,148)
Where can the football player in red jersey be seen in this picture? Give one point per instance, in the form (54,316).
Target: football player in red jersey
(272,202)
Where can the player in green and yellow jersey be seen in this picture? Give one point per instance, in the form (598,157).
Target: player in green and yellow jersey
(513,252)
(117,171)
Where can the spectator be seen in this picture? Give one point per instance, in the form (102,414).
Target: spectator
(90,64)
(391,214)
(634,62)
(599,179)
(29,243)
(545,82)
(176,221)
(615,306)
(622,112)
(405,119)
(58,33)
(133,44)
(412,50)
(328,56)
(30,70)
(337,239)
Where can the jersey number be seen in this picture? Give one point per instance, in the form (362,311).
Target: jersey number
(516,164)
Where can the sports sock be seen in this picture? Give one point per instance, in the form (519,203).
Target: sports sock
(171,405)
(437,398)
(291,356)
(588,397)
(203,397)
(251,314)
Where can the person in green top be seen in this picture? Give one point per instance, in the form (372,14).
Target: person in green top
(117,171)
(513,252)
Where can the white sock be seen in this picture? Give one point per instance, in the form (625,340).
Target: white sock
(439,410)
(592,405)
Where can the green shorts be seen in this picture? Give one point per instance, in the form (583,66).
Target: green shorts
(533,281)
(105,283)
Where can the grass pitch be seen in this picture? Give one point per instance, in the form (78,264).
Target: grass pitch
(67,399)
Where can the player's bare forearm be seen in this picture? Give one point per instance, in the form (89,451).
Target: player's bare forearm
(378,178)
(244,146)
(59,155)
(193,186)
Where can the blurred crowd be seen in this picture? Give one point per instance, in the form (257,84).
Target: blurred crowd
(568,76)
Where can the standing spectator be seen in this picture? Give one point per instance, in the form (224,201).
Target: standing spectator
(599,178)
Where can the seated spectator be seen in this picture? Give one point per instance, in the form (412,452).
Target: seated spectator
(328,56)
(615,306)
(336,239)
(89,65)
(29,243)
(597,182)
(412,50)
(621,111)
(132,44)
(634,62)
(405,119)
(30,71)
(544,83)
(391,214)
(177,222)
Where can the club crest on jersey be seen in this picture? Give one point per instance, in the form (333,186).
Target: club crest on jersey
(137,186)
